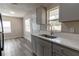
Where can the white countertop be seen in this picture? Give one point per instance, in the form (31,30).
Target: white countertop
(68,42)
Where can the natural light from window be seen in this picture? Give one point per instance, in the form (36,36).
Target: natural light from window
(54,14)
(27,25)
(53,19)
(6,27)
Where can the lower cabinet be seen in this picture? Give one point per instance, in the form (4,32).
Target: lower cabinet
(40,50)
(41,47)
(34,44)
(56,50)
(59,50)
(47,51)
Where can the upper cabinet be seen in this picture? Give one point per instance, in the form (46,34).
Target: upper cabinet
(69,12)
(41,15)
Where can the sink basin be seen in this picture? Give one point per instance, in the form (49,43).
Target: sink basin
(48,36)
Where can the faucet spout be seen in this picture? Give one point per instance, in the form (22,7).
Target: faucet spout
(51,30)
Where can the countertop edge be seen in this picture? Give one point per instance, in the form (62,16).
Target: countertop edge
(65,45)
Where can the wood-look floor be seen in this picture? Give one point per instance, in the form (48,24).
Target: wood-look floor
(16,47)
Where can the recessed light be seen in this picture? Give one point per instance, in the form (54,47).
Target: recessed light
(12,12)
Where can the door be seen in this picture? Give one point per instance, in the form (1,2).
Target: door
(1,36)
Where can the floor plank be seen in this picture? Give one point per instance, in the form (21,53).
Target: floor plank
(16,47)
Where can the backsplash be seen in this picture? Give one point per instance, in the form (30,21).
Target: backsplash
(70,27)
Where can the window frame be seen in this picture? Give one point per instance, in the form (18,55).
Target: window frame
(48,20)
(28,25)
(4,30)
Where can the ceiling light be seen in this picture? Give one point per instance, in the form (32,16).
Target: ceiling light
(12,12)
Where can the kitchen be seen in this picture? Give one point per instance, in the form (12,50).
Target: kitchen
(43,29)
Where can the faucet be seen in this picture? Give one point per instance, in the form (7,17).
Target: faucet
(51,30)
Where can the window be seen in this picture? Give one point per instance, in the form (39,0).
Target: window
(6,26)
(27,25)
(53,16)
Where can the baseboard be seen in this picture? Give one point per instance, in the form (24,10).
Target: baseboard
(14,38)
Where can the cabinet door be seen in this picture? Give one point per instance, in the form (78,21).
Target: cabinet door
(46,47)
(70,52)
(47,51)
(59,50)
(34,44)
(56,50)
(69,12)
(43,47)
(44,15)
(41,17)
(40,48)
(38,15)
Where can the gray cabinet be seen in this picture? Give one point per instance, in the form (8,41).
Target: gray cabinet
(41,15)
(43,48)
(47,50)
(59,50)
(69,12)
(56,50)
(40,49)
(34,44)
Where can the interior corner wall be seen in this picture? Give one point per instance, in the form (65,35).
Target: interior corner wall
(16,27)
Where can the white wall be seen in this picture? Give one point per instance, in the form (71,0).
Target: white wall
(26,34)
(16,27)
(34,26)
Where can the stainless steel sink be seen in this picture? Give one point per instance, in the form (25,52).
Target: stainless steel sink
(48,36)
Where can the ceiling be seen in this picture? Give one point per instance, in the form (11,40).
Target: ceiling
(20,9)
